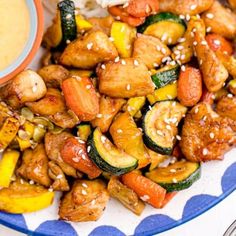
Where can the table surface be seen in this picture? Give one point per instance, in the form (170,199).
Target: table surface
(213,222)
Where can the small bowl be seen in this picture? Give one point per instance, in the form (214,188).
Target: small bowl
(35,9)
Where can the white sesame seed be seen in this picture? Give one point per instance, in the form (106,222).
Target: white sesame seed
(173,63)
(182,57)
(93,202)
(200,62)
(163,50)
(123,62)
(194,30)
(174,180)
(181,40)
(208,29)
(31,182)
(204,43)
(182,17)
(158,48)
(168,127)
(196,110)
(193,7)
(89,86)
(68,41)
(119,131)
(84,192)
(128,87)
(209,15)
(192,34)
(169,96)
(99,115)
(68,16)
(204,118)
(84,185)
(174,104)
(75,159)
(145,198)
(50,189)
(172,170)
(187,17)
(150,107)
(117,17)
(59,176)
(205,151)
(180,47)
(169,40)
(164,37)
(178,137)
(212,135)
(81,141)
(111,39)
(83,157)
(126,5)
(155,64)
(159,132)
(103,139)
(195,43)
(89,46)
(136,63)
(117,59)
(34,88)
(88,149)
(216,42)
(21,181)
(103,66)
(229,95)
(183,68)
(176,52)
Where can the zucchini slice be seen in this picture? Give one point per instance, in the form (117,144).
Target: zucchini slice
(165,25)
(68,21)
(176,177)
(165,75)
(107,157)
(160,125)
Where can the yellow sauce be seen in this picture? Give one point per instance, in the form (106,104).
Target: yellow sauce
(14,30)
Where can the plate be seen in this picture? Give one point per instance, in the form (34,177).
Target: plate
(217,182)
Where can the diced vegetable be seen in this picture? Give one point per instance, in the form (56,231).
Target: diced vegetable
(74,153)
(23,143)
(156,159)
(123,36)
(125,195)
(134,105)
(177,176)
(8,132)
(107,157)
(146,189)
(165,26)
(22,197)
(128,137)
(168,92)
(82,24)
(68,22)
(81,97)
(160,125)
(165,75)
(7,167)
(83,131)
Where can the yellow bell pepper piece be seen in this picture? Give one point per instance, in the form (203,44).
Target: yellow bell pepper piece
(23,197)
(168,92)
(134,105)
(7,167)
(24,144)
(82,24)
(8,131)
(29,128)
(123,36)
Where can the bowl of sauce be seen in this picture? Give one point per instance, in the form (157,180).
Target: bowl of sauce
(21,32)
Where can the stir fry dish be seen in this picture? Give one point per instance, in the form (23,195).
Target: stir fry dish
(128,106)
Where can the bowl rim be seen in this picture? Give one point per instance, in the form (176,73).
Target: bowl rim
(35,46)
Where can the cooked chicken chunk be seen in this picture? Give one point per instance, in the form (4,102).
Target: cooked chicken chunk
(103,24)
(87,52)
(85,202)
(53,75)
(226,107)
(27,86)
(221,20)
(35,166)
(184,6)
(124,79)
(60,182)
(205,135)
(53,144)
(150,50)
(213,71)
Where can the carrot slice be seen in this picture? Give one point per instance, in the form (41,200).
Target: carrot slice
(146,189)
(75,154)
(219,43)
(81,97)
(168,198)
(125,17)
(142,8)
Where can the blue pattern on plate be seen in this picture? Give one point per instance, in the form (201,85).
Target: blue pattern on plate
(55,228)
(228,180)
(106,230)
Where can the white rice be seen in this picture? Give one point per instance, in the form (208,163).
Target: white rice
(88,8)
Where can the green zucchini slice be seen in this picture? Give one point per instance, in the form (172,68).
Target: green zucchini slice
(165,75)
(166,26)
(107,157)
(176,177)
(68,22)
(160,125)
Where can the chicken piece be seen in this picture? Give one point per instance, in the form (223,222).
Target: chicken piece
(226,107)
(150,50)
(85,202)
(221,20)
(205,135)
(27,86)
(108,108)
(53,145)
(50,104)
(87,52)
(232,4)
(184,7)
(35,166)
(213,71)
(124,79)
(103,24)
(53,75)
(60,182)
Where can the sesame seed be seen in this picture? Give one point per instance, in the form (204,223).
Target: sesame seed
(84,185)
(192,34)
(195,43)
(88,148)
(103,66)
(169,40)
(167,121)
(217,42)
(198,16)
(117,17)
(173,63)
(89,46)
(196,110)
(174,180)
(205,151)
(68,16)
(150,107)
(194,30)
(99,115)
(59,176)
(229,95)
(178,137)
(158,48)
(119,131)
(168,96)
(148,9)
(68,41)
(163,50)
(103,139)
(181,40)
(164,37)
(155,64)
(84,192)
(209,15)
(126,5)
(172,170)
(168,127)
(145,198)
(193,7)
(111,39)
(34,88)
(128,87)
(159,132)
(117,59)
(212,135)
(200,62)
(183,68)
(180,47)
(182,57)
(93,202)
(187,17)
(136,63)
(89,86)
(31,182)
(208,29)
(176,52)
(21,181)
(123,62)
(83,157)
(182,17)
(81,141)
(75,159)
(50,189)
(204,43)
(174,104)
